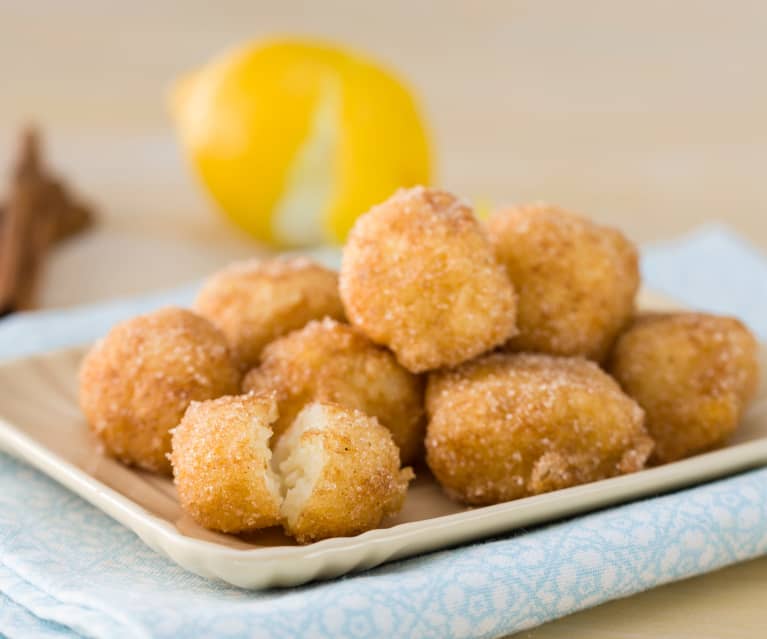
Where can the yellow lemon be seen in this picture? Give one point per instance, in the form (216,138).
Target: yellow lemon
(295,139)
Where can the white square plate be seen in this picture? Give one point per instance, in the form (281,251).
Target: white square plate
(41,423)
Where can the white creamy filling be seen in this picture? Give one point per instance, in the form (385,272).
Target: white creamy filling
(300,463)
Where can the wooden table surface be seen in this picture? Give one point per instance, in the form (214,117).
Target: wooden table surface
(650,116)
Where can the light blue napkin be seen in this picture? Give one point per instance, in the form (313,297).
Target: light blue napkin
(67,570)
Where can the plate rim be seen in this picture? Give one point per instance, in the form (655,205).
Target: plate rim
(279,566)
(727,461)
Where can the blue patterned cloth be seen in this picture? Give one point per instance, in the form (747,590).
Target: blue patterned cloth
(67,570)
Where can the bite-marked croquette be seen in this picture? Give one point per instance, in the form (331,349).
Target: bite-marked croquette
(693,374)
(256,301)
(136,383)
(507,426)
(576,281)
(419,276)
(221,463)
(329,361)
(341,473)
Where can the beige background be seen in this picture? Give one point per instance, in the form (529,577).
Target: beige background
(649,115)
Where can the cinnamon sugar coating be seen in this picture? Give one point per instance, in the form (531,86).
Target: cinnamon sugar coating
(136,383)
(221,462)
(420,277)
(693,374)
(356,480)
(256,301)
(330,361)
(576,281)
(508,426)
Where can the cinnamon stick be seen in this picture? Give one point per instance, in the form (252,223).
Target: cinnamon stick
(12,253)
(39,211)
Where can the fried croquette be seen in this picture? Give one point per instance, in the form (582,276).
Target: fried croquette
(221,463)
(419,276)
(341,473)
(136,383)
(329,361)
(507,426)
(692,373)
(576,281)
(256,301)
